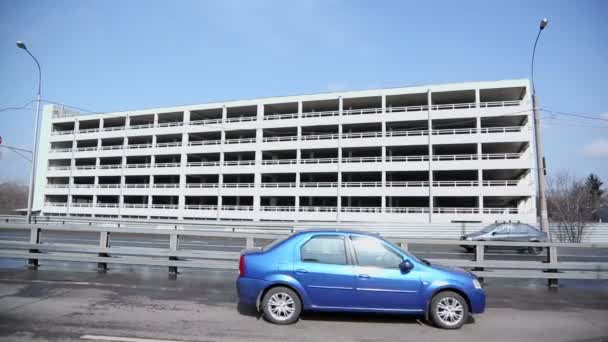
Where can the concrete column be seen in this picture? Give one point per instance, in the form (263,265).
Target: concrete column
(477,97)
(260,113)
(155,119)
(430,143)
(298,157)
(186,116)
(383,201)
(121,197)
(383,103)
(224,113)
(300,109)
(222,138)
(259,138)
(257,179)
(181,200)
(256,205)
(151,181)
(339,201)
(183,155)
(219,205)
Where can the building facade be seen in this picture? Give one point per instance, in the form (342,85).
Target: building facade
(437,153)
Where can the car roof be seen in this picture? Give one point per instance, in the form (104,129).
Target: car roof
(338,231)
(500,224)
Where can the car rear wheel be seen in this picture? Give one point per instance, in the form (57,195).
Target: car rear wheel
(281,305)
(535,250)
(448,310)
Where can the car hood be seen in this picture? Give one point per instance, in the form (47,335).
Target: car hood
(473,235)
(453,270)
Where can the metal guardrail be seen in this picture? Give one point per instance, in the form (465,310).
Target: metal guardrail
(594,233)
(173,257)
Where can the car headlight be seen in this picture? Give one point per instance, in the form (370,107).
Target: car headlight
(477,284)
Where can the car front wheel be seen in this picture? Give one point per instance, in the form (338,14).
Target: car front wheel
(448,310)
(281,305)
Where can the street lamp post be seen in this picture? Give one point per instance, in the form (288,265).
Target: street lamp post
(30,195)
(540,162)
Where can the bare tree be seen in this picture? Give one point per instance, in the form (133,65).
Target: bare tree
(12,196)
(570,205)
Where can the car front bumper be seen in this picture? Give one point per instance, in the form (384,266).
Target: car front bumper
(477,298)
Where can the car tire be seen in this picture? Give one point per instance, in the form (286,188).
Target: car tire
(469,249)
(448,310)
(534,250)
(281,305)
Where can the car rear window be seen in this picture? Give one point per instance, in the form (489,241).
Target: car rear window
(274,243)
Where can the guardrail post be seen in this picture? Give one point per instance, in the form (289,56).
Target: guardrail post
(249,243)
(552,259)
(32,264)
(479,258)
(104,242)
(173,241)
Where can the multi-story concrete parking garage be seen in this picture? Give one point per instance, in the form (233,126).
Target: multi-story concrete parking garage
(438,153)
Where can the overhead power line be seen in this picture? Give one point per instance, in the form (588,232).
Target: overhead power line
(584,116)
(17,108)
(16,150)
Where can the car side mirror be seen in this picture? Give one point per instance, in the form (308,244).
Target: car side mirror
(405,266)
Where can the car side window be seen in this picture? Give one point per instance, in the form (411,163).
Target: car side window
(504,230)
(373,252)
(325,250)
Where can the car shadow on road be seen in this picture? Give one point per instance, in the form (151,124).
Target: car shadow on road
(363,318)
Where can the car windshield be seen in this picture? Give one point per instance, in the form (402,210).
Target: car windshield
(488,228)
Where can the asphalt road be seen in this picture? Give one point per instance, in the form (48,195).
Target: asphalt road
(72,302)
(236,245)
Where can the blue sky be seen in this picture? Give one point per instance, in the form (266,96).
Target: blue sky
(118,55)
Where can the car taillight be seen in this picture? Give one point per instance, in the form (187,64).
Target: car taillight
(242,266)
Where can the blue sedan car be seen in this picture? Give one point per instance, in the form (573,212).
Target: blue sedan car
(351,271)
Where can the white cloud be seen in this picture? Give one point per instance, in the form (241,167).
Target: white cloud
(604,116)
(596,149)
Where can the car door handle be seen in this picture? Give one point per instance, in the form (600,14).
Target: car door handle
(301,270)
(364,276)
